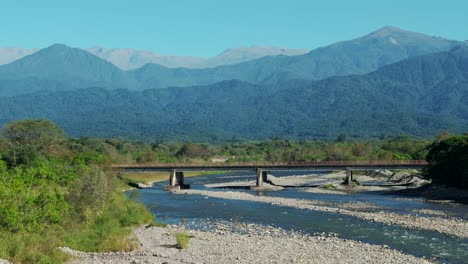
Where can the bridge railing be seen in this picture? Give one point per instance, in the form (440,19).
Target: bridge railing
(278,164)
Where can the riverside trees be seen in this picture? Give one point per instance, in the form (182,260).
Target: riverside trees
(56,191)
(448,162)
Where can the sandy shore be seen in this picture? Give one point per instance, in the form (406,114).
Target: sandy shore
(257,244)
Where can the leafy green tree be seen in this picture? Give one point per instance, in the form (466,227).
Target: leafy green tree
(39,134)
(28,138)
(448,162)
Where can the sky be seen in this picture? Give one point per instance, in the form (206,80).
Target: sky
(205,28)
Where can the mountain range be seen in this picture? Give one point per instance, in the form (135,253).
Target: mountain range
(129,59)
(63,68)
(388,82)
(421,96)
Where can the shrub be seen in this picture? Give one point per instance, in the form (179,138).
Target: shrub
(329,186)
(182,240)
(448,162)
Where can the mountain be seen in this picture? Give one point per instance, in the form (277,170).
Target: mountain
(10,54)
(358,56)
(421,96)
(128,59)
(59,67)
(63,68)
(243,54)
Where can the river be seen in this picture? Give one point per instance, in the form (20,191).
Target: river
(197,211)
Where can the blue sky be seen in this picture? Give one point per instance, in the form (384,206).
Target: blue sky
(207,27)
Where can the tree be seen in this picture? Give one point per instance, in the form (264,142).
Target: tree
(39,134)
(448,162)
(192,150)
(27,138)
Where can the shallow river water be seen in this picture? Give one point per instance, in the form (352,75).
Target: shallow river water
(195,210)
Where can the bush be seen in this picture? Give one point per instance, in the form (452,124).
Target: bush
(40,246)
(182,240)
(448,162)
(89,194)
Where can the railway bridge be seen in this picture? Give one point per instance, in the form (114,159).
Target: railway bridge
(176,170)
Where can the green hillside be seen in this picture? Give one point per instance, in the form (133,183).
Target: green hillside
(420,97)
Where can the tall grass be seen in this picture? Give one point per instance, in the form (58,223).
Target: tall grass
(110,230)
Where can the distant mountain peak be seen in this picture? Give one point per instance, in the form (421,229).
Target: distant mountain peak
(389,31)
(58,46)
(56,49)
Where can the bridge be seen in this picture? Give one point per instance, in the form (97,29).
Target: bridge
(176,170)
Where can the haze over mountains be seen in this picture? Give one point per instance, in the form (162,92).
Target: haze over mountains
(388,82)
(63,68)
(128,59)
(10,54)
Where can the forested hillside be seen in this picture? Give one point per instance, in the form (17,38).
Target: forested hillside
(420,97)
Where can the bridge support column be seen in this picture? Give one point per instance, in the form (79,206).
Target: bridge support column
(259,177)
(349,176)
(172,178)
(176,181)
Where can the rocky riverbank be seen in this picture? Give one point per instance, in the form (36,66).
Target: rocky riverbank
(246,243)
(420,220)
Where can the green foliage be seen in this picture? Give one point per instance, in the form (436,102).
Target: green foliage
(448,160)
(60,197)
(105,230)
(37,134)
(40,246)
(182,240)
(89,194)
(329,187)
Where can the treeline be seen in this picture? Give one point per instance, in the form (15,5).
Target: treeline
(275,150)
(56,191)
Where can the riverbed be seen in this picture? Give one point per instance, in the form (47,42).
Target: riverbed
(352,215)
(406,229)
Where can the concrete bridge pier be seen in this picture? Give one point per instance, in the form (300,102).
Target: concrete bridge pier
(349,176)
(176,181)
(261,177)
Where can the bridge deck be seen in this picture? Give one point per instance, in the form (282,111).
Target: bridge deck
(309,165)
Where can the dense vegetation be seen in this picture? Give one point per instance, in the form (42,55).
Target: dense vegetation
(420,97)
(448,160)
(276,150)
(56,191)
